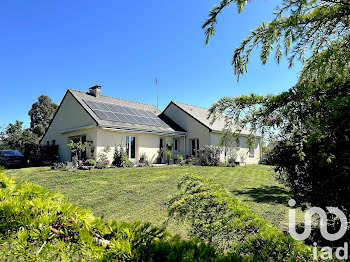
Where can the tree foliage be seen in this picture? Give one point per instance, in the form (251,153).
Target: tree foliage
(16,138)
(218,218)
(313,122)
(41,225)
(298,26)
(76,148)
(41,115)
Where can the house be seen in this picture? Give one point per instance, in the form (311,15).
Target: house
(139,128)
(200,131)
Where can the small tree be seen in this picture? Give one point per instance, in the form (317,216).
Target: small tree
(75,148)
(120,157)
(229,142)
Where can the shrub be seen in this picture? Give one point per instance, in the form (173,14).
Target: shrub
(103,161)
(193,160)
(168,156)
(60,166)
(143,157)
(90,162)
(209,155)
(221,220)
(40,225)
(128,163)
(143,160)
(180,159)
(120,157)
(231,161)
(102,164)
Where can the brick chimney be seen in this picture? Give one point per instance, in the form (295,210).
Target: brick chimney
(95,91)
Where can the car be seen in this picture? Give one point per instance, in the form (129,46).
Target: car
(11,158)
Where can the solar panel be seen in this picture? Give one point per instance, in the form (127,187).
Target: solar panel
(110,107)
(115,109)
(111,116)
(130,119)
(101,115)
(117,117)
(154,121)
(139,120)
(103,107)
(128,110)
(150,114)
(122,110)
(122,118)
(142,113)
(118,113)
(159,122)
(147,121)
(92,105)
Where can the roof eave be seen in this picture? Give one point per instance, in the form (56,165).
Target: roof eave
(221,132)
(142,130)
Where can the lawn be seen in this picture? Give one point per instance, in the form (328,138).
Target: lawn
(142,193)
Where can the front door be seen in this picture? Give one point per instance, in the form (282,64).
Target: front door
(161,150)
(131,148)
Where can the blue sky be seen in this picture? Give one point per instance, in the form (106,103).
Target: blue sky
(49,46)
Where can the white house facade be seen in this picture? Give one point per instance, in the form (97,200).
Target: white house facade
(139,128)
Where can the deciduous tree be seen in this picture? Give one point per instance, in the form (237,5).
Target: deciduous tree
(17,138)
(312,118)
(41,115)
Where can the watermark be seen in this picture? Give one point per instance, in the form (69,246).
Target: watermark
(326,252)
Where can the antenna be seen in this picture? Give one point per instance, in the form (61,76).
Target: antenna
(156,80)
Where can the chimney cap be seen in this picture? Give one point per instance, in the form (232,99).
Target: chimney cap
(95,87)
(95,91)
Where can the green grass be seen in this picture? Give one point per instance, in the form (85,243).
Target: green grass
(142,193)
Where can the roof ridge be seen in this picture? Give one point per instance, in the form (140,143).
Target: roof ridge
(113,97)
(190,104)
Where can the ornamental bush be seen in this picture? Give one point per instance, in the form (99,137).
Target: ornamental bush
(221,220)
(90,162)
(209,155)
(120,157)
(40,225)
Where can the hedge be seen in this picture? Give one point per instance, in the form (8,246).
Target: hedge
(40,225)
(221,220)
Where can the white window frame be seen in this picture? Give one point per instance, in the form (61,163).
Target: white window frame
(128,147)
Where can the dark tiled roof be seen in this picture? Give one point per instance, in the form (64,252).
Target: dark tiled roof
(201,114)
(167,124)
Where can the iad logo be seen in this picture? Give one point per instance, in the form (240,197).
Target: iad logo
(326,252)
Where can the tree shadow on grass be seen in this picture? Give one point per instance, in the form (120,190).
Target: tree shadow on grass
(266,194)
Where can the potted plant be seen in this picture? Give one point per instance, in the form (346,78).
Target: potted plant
(168,158)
